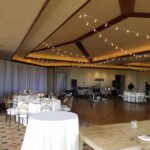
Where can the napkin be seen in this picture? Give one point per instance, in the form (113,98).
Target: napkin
(144,137)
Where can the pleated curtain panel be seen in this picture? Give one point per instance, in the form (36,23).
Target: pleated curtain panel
(16,77)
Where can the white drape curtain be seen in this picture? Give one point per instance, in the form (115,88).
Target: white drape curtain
(61,82)
(15,77)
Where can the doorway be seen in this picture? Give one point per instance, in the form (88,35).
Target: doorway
(120,80)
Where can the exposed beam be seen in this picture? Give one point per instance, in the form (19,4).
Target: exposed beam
(32,25)
(83,51)
(102,27)
(127,6)
(140,15)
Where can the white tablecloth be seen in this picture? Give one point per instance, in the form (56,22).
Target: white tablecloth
(134,97)
(52,131)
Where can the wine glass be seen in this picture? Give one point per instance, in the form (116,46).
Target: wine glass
(134,126)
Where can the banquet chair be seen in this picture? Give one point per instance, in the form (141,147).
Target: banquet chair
(10,112)
(46,106)
(67,104)
(23,112)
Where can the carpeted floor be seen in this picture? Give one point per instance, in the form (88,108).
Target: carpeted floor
(11,138)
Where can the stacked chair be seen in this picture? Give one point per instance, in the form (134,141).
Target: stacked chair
(10,111)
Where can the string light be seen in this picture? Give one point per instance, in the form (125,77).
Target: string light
(58,50)
(106,24)
(102,36)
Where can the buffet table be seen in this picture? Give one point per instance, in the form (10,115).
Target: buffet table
(52,131)
(134,97)
(115,136)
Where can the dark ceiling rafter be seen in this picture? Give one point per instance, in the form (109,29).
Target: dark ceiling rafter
(127,6)
(83,51)
(103,27)
(140,15)
(32,25)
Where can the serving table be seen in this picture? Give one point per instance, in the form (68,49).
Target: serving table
(115,136)
(131,96)
(56,130)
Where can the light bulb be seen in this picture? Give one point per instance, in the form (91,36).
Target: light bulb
(106,24)
(106,40)
(147,36)
(137,34)
(116,28)
(80,16)
(95,20)
(85,15)
(94,30)
(100,35)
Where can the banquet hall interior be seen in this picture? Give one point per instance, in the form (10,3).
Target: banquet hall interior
(86,60)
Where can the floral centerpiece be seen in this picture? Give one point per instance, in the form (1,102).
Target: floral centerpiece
(41,95)
(27,91)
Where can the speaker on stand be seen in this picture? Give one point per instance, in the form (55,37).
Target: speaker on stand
(74,86)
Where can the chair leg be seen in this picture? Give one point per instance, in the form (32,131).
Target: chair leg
(27,119)
(22,119)
(6,118)
(9,120)
(15,119)
(18,122)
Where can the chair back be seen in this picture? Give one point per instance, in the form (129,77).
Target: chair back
(46,106)
(69,101)
(7,103)
(23,107)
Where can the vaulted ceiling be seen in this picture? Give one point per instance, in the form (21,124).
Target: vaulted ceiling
(82,33)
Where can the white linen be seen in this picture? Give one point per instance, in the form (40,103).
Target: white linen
(144,137)
(134,97)
(54,130)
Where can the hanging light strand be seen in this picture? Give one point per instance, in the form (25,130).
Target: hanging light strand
(116,28)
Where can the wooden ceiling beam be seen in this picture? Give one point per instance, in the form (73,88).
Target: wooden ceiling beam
(127,6)
(140,15)
(103,27)
(83,51)
(32,25)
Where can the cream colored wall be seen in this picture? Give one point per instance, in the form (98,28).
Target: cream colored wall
(143,76)
(88,76)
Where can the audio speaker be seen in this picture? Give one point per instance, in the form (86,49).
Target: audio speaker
(74,83)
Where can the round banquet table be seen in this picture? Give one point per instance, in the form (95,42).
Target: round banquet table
(56,130)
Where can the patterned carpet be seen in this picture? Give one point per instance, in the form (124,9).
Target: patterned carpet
(11,138)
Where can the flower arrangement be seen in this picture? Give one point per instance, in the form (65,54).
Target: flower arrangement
(41,95)
(27,91)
